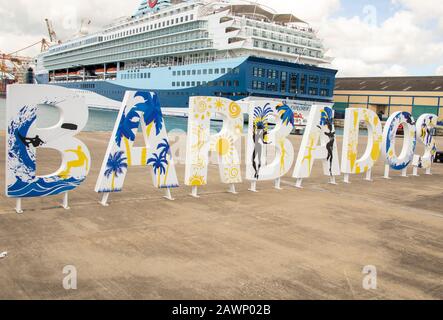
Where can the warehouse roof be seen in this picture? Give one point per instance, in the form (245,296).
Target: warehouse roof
(390,84)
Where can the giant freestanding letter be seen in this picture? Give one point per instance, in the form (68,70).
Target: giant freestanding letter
(350,164)
(200,142)
(138,108)
(402,161)
(260,137)
(24,137)
(425,126)
(321,128)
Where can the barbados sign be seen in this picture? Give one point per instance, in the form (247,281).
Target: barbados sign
(270,124)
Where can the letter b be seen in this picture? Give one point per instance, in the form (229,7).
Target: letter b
(24,137)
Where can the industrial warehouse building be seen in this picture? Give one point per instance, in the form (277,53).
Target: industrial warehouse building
(387,95)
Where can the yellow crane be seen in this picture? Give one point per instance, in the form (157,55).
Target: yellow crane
(51,32)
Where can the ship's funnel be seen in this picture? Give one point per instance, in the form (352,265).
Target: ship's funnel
(150,6)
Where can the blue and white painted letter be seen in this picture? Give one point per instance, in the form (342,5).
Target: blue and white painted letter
(24,137)
(402,161)
(138,108)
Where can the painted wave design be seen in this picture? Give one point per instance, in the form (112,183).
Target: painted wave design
(41,187)
(21,159)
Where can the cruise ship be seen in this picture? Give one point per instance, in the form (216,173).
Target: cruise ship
(181,48)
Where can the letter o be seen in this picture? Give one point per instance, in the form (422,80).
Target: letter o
(399,162)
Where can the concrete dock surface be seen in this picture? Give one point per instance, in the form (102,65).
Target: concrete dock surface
(310,243)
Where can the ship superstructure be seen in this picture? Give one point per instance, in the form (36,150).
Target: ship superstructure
(179,48)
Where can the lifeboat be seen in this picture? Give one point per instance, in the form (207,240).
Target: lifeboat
(76,74)
(101,71)
(60,75)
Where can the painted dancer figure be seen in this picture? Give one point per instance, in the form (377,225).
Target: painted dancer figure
(259,141)
(327,120)
(330,148)
(260,133)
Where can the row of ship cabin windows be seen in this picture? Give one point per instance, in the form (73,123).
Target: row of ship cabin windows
(288,49)
(227,83)
(215,93)
(283,37)
(143,75)
(274,74)
(205,71)
(285,30)
(153,26)
(282,87)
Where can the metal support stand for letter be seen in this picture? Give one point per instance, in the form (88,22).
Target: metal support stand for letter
(168,195)
(194,192)
(65,203)
(253,186)
(105,198)
(232,189)
(277,184)
(298,183)
(18,206)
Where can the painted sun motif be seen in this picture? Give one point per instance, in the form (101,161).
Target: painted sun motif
(197,181)
(232,175)
(203,108)
(219,105)
(224,146)
(234,110)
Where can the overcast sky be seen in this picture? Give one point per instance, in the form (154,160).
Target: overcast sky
(366,38)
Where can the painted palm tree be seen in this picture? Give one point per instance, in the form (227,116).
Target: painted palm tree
(115,166)
(125,131)
(152,113)
(286,114)
(158,163)
(165,153)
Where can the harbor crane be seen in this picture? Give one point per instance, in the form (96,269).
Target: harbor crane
(51,32)
(84,27)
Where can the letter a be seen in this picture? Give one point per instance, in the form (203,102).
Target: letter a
(138,108)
